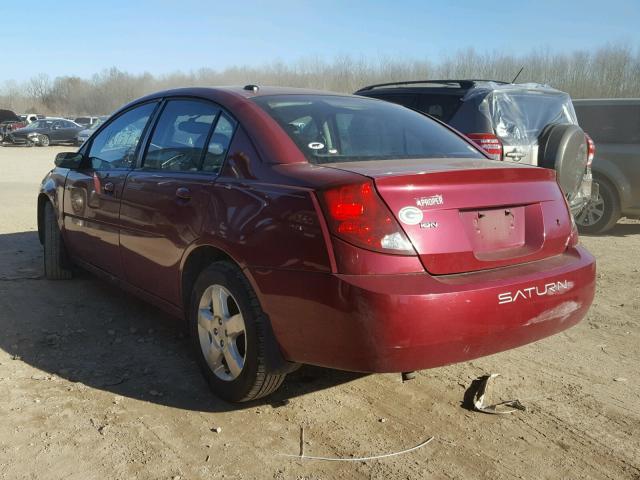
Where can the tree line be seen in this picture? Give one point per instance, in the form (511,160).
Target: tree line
(609,71)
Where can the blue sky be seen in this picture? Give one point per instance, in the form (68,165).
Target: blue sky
(82,38)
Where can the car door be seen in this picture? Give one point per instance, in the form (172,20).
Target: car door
(165,201)
(93,192)
(68,131)
(56,132)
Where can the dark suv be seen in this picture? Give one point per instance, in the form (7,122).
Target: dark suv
(615,126)
(525,123)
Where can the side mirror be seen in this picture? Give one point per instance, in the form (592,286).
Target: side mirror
(69,160)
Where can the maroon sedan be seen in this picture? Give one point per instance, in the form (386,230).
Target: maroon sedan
(292,226)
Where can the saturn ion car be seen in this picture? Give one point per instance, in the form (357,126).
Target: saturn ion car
(294,227)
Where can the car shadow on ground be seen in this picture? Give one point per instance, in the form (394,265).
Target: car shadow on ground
(86,330)
(619,230)
(624,230)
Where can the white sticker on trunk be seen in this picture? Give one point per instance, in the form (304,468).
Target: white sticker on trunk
(430,201)
(316,146)
(410,215)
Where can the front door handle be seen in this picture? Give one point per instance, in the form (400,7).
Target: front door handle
(109,187)
(183,193)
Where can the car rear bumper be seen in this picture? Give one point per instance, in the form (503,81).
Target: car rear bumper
(395,323)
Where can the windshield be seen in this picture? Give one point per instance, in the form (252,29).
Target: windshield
(344,129)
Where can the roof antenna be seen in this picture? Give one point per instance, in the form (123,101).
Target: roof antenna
(517,75)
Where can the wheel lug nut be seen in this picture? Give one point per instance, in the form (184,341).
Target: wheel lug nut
(219,321)
(215,331)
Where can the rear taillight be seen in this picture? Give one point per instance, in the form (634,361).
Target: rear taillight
(356,214)
(591,150)
(489,143)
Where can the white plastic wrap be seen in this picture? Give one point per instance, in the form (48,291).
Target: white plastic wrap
(519,112)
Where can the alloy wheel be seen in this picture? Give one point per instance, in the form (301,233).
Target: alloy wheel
(592,213)
(222,333)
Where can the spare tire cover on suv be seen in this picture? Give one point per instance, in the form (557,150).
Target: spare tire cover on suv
(563,147)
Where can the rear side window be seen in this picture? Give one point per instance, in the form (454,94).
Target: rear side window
(610,123)
(180,136)
(116,145)
(344,129)
(219,144)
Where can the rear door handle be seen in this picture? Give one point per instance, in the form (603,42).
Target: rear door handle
(183,193)
(109,187)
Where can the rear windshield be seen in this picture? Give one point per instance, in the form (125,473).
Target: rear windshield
(610,123)
(519,117)
(341,129)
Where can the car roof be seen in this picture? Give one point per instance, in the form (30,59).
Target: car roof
(465,84)
(246,91)
(606,101)
(469,87)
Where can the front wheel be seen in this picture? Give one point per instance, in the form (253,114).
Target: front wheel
(44,141)
(602,212)
(228,332)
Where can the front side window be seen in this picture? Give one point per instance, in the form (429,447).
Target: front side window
(40,124)
(331,129)
(116,145)
(180,136)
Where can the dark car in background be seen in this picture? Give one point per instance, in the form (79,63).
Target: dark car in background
(291,226)
(9,121)
(524,123)
(614,125)
(46,132)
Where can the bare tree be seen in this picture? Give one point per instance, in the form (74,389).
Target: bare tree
(609,71)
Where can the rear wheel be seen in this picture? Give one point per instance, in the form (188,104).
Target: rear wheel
(56,264)
(602,212)
(44,141)
(228,332)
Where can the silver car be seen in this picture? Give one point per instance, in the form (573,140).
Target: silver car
(614,125)
(84,135)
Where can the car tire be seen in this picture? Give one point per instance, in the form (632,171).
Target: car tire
(601,214)
(56,263)
(224,307)
(44,141)
(563,148)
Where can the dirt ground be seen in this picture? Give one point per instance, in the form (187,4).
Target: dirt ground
(96,384)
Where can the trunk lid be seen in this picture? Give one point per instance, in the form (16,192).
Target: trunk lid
(465,215)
